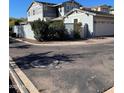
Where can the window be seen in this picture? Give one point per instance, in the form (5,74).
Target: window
(75,21)
(68,7)
(33,12)
(28,13)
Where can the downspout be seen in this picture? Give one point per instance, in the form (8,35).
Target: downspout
(93,26)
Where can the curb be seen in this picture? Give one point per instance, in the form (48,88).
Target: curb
(62,44)
(17,81)
(22,81)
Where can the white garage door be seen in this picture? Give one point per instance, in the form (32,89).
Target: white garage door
(104,27)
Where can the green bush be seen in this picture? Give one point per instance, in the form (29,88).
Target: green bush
(11,33)
(76,35)
(58,28)
(40,29)
(77,31)
(49,30)
(17,22)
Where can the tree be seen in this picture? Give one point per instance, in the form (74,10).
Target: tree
(16,21)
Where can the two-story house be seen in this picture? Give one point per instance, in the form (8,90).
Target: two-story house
(96,21)
(65,7)
(102,8)
(47,11)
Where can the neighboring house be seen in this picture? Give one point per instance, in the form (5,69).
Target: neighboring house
(93,23)
(47,11)
(65,7)
(102,8)
(98,21)
(41,10)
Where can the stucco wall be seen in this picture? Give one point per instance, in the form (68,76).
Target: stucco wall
(103,26)
(24,31)
(83,18)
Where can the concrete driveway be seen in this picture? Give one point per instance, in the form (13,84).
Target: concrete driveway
(66,69)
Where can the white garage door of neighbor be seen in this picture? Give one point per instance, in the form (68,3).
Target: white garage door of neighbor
(104,28)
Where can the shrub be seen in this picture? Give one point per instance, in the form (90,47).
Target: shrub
(76,35)
(59,30)
(40,29)
(11,33)
(49,30)
(16,23)
(77,30)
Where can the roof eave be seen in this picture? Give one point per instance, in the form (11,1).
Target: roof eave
(30,6)
(40,3)
(82,11)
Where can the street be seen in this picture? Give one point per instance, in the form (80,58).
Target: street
(66,69)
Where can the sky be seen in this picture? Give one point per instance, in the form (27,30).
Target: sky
(18,8)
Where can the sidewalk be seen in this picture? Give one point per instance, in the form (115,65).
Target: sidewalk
(64,43)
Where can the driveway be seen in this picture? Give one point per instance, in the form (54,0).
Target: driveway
(66,69)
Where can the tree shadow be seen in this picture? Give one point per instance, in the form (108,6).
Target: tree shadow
(11,41)
(41,59)
(87,32)
(21,33)
(45,60)
(21,46)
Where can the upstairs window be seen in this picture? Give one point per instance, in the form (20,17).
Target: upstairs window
(33,12)
(68,7)
(75,21)
(28,13)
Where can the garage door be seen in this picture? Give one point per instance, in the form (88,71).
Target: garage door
(103,27)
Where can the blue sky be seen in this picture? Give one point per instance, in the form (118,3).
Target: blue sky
(17,8)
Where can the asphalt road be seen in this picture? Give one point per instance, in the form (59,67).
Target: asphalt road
(66,69)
